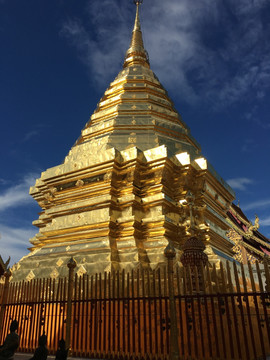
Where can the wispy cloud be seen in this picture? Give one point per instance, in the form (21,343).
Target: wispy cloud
(239,183)
(18,194)
(30,135)
(183,45)
(14,242)
(255,205)
(4,181)
(265,222)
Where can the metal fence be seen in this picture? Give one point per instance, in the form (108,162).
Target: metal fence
(212,313)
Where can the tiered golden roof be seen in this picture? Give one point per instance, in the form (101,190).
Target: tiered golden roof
(134,181)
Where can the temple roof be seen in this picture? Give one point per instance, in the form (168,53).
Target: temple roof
(136,110)
(251,238)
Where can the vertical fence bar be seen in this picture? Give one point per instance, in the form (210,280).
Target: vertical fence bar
(262,295)
(191,299)
(144,315)
(227,311)
(74,317)
(231,290)
(213,311)
(96,315)
(241,308)
(174,348)
(7,275)
(206,311)
(99,315)
(118,314)
(113,313)
(71,266)
(199,309)
(128,315)
(123,316)
(188,328)
(180,312)
(160,312)
(149,313)
(30,313)
(219,298)
(83,320)
(133,313)
(38,311)
(165,292)
(246,299)
(139,313)
(155,312)
(87,320)
(257,316)
(105,322)
(50,314)
(65,296)
(91,322)
(109,314)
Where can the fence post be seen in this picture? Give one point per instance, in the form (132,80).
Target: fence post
(7,276)
(71,266)
(174,348)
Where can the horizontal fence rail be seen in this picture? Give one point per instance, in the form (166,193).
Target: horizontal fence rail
(220,313)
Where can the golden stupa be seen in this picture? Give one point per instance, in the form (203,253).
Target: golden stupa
(134,181)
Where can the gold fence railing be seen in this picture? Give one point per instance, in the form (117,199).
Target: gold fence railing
(219,313)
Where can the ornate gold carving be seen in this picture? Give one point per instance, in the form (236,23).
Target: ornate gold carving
(30,276)
(252,228)
(54,274)
(79,183)
(81,271)
(108,176)
(59,262)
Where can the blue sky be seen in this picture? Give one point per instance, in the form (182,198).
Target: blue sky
(58,56)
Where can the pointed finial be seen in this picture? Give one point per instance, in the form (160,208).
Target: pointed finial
(136,53)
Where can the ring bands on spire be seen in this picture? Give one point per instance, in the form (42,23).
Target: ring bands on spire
(136,53)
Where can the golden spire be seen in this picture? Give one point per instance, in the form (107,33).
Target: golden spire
(136,53)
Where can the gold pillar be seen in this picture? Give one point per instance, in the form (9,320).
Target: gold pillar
(71,266)
(7,276)
(174,348)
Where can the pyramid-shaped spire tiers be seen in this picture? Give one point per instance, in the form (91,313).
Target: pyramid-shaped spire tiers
(134,181)
(136,109)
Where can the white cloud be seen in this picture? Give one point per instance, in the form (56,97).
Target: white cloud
(239,183)
(255,205)
(221,68)
(265,222)
(15,241)
(18,194)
